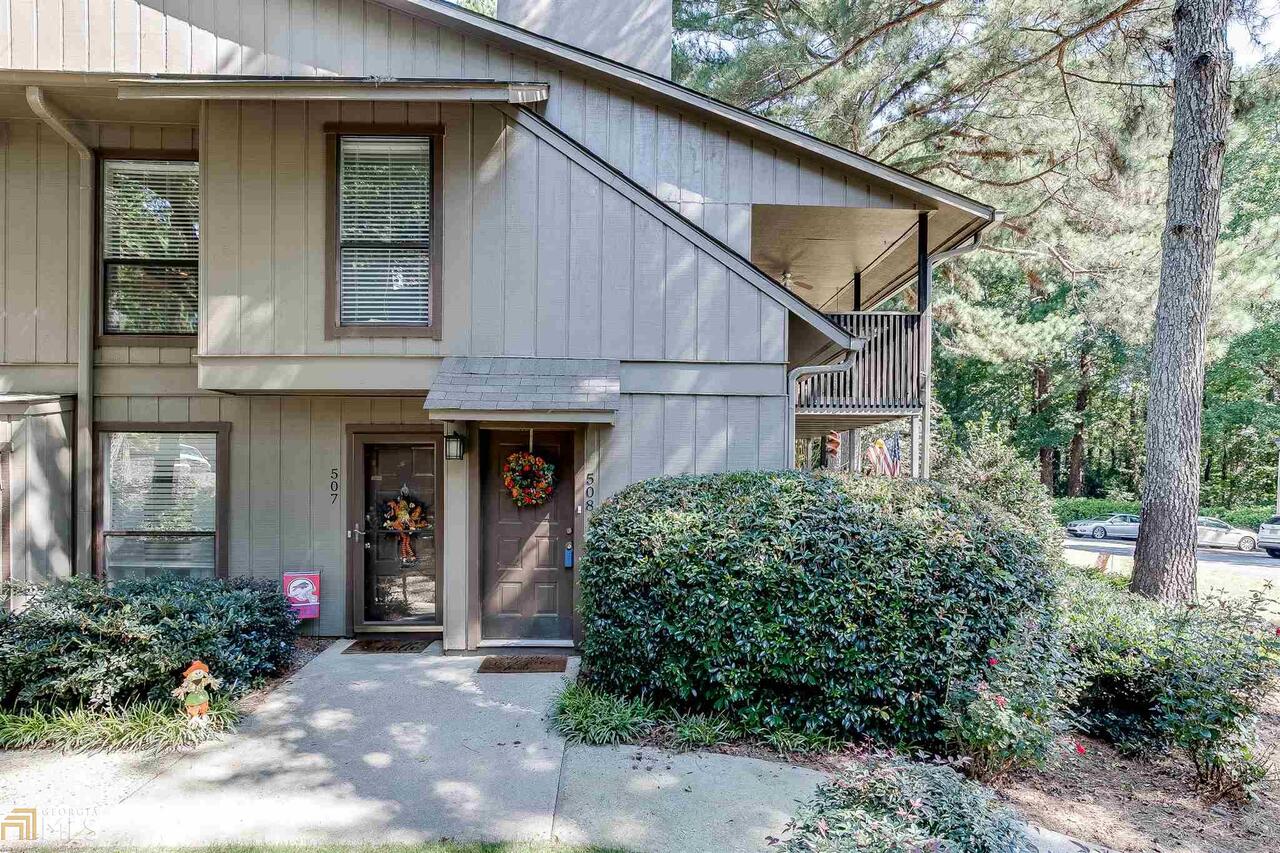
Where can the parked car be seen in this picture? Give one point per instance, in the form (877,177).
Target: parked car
(1269,537)
(1119,526)
(1210,532)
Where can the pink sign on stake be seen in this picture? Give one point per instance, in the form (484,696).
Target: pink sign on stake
(302,589)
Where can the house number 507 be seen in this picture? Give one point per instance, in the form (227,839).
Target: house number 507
(333,485)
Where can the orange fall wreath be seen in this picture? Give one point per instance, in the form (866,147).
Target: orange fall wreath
(529,479)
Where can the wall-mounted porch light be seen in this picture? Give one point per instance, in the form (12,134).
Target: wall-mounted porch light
(454,446)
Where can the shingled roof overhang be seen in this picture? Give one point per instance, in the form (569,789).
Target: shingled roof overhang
(665,90)
(571,390)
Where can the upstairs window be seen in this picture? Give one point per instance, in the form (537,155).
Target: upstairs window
(150,247)
(387,257)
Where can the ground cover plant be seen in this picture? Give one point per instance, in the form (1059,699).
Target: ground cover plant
(806,603)
(885,805)
(84,663)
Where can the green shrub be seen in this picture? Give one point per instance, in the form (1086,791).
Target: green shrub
(583,714)
(142,726)
(81,644)
(802,602)
(1156,675)
(696,731)
(891,806)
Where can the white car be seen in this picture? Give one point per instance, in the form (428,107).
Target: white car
(1269,537)
(1118,526)
(1216,533)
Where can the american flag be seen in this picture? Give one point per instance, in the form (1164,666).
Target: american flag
(886,458)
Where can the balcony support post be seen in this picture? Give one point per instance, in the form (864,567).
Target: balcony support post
(857,291)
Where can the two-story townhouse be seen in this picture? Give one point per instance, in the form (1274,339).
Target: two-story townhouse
(267,266)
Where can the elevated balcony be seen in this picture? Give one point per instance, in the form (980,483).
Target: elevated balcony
(888,379)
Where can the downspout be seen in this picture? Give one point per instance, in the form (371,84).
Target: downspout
(793,379)
(83,480)
(926,447)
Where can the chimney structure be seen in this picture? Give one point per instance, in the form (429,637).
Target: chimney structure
(638,33)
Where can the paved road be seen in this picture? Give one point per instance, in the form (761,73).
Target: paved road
(1253,563)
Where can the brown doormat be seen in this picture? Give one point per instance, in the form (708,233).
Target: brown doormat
(522,663)
(387,647)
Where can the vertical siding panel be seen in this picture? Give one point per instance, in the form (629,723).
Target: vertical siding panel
(713,309)
(385,411)
(649,293)
(227,30)
(810,183)
(487,263)
(253,36)
(49,34)
(773,454)
(295,485)
(22,33)
(744,320)
(328,552)
(644,144)
(315,199)
(152,53)
(276,37)
(763,162)
(743,419)
(412,411)
(521,305)
(144,410)
(71,251)
(235,411)
(584,263)
(647,452)
(328,35)
(257,308)
(739,170)
(712,455)
(596,119)
(668,157)
(553,252)
(101,38)
(679,435)
(616,464)
(715,148)
(787,176)
(475,59)
(456,119)
(617,266)
(571,106)
(681,303)
(773,331)
(204,40)
(52,272)
(221,188)
(75,35)
(450,62)
(621,109)
(691,160)
(174,410)
(127,36)
(20,275)
(426,49)
(832,188)
(204,409)
(177,36)
(289,238)
(264,486)
(400,45)
(302,38)
(376,40)
(351,39)
(113,409)
(738,228)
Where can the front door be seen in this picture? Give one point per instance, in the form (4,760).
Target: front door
(527,588)
(397,536)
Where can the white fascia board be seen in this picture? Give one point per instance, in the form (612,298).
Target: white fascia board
(329,89)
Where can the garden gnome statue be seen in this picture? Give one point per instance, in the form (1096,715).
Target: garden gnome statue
(194,692)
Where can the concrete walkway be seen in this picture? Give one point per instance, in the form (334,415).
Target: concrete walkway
(409,748)
(405,748)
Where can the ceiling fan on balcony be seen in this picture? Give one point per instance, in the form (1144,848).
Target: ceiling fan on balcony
(788,278)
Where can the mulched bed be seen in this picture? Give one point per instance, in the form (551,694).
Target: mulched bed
(305,649)
(1138,805)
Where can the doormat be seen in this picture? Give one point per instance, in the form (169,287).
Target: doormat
(496,664)
(387,647)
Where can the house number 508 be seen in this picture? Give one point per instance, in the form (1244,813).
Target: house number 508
(333,485)
(590,496)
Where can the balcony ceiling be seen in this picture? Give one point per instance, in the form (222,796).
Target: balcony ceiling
(823,247)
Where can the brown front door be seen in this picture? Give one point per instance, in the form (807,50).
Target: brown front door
(398,580)
(528,591)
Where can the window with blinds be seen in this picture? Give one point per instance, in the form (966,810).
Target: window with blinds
(385,218)
(160,503)
(150,247)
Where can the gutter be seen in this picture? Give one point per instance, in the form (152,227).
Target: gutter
(57,120)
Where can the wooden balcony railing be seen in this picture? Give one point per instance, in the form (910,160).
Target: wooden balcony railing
(889,373)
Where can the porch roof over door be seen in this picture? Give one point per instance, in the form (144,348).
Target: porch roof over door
(572,390)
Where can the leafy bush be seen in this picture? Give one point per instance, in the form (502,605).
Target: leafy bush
(986,465)
(81,644)
(1156,675)
(1075,509)
(142,726)
(802,602)
(890,806)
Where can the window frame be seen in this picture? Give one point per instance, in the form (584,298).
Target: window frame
(334,328)
(117,339)
(222,483)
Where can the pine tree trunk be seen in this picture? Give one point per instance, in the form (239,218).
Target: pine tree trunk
(1165,560)
(1075,469)
(1039,405)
